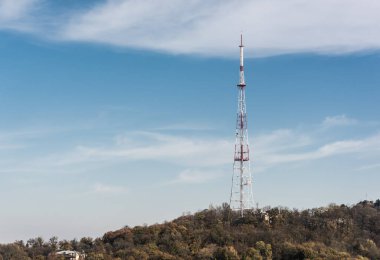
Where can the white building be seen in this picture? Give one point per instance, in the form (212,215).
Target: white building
(71,255)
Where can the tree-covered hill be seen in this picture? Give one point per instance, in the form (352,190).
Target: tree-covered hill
(333,232)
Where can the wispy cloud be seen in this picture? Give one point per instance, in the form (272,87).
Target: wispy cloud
(356,146)
(101,188)
(162,147)
(197,176)
(15,14)
(184,127)
(13,10)
(340,120)
(292,146)
(282,140)
(270,27)
(369,167)
(278,147)
(5,146)
(196,155)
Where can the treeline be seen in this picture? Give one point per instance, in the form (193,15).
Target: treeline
(333,232)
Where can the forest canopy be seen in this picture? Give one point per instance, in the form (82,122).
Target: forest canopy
(333,232)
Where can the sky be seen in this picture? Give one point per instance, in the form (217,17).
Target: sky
(122,112)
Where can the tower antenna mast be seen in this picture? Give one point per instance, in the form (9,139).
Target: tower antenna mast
(241,189)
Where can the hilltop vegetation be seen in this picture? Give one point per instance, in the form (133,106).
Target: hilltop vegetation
(333,232)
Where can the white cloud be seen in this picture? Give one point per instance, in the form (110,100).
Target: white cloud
(107,189)
(184,127)
(168,148)
(281,139)
(369,167)
(340,120)
(270,27)
(10,146)
(212,27)
(14,14)
(142,24)
(369,145)
(283,146)
(268,150)
(11,9)
(189,176)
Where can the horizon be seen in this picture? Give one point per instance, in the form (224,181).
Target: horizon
(111,119)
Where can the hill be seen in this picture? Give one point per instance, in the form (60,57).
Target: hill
(333,232)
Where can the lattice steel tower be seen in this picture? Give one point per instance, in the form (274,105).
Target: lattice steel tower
(241,189)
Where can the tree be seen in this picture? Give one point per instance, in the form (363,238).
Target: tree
(13,251)
(53,243)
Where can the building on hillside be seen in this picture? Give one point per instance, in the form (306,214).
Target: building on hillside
(71,255)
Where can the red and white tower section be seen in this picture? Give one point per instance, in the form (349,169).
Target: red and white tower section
(241,190)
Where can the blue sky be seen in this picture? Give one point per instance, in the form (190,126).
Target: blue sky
(118,113)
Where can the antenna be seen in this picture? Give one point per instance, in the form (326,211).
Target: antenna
(241,197)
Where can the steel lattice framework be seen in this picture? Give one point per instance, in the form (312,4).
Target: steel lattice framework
(241,189)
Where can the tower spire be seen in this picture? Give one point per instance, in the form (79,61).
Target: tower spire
(241,46)
(241,189)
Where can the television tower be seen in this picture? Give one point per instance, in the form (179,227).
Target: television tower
(241,190)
